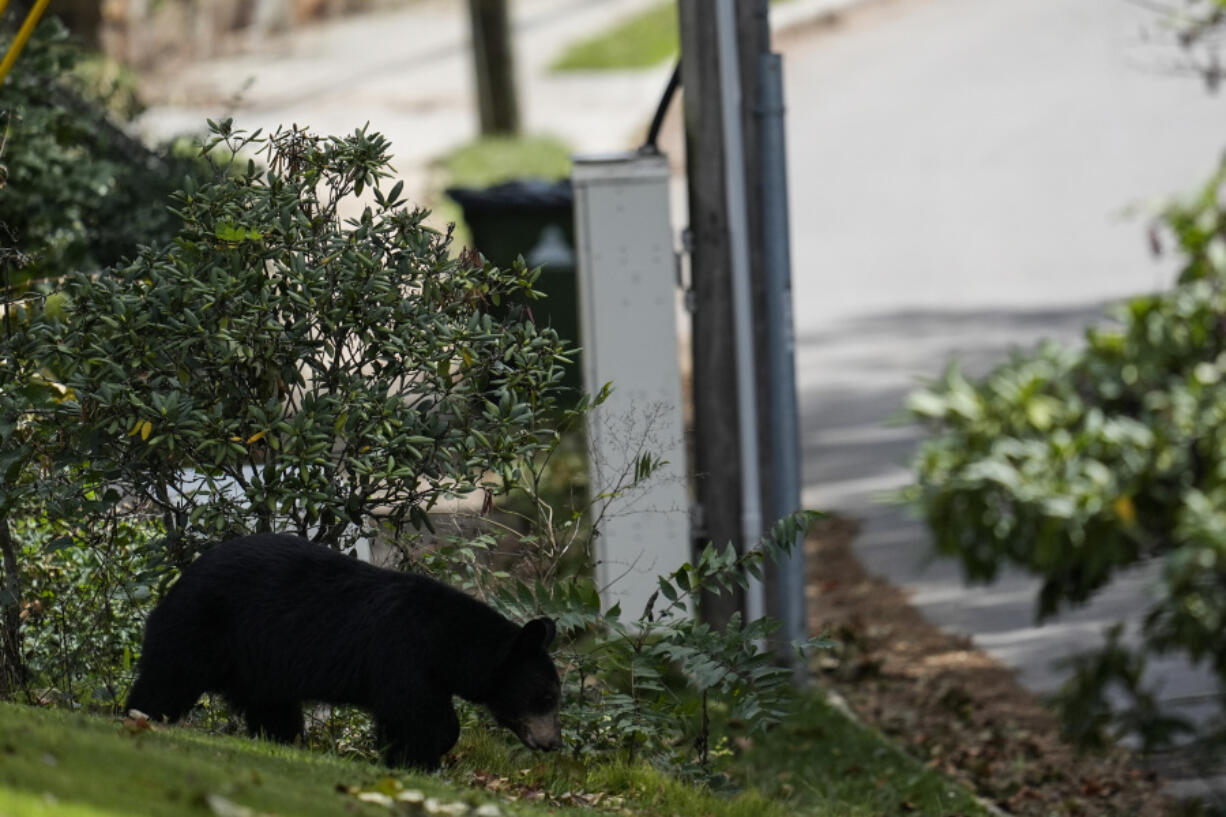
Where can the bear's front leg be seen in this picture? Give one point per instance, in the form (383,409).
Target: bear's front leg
(418,734)
(281,721)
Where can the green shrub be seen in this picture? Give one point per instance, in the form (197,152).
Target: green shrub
(87,593)
(77,194)
(1076,463)
(283,365)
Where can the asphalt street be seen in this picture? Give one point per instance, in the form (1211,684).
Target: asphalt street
(967,178)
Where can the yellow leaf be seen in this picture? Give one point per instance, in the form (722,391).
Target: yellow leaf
(256,436)
(145,430)
(1125,510)
(136,428)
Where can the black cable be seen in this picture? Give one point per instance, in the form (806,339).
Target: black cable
(657,121)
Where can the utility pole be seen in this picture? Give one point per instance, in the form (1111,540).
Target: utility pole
(494,67)
(753,39)
(716,465)
(738,216)
(775,389)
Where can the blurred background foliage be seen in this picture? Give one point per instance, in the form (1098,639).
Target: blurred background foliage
(79,193)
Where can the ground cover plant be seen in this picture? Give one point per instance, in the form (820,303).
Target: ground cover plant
(58,763)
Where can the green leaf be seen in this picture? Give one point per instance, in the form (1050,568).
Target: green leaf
(230,232)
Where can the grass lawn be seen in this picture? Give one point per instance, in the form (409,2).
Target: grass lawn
(641,40)
(824,763)
(493,159)
(62,764)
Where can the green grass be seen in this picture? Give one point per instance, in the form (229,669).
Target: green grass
(58,763)
(642,40)
(821,762)
(68,765)
(493,159)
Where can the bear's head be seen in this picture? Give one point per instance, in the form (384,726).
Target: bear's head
(527,691)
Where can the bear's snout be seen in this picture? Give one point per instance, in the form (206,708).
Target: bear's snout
(542,732)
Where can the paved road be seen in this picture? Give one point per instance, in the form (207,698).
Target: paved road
(960,172)
(408,72)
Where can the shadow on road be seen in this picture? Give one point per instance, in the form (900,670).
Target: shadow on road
(853,377)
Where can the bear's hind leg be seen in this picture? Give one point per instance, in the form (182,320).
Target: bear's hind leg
(418,740)
(277,720)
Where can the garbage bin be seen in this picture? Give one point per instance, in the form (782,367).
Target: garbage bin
(533,218)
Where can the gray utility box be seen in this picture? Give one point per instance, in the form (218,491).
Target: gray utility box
(628,322)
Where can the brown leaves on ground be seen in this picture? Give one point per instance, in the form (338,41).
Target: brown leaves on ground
(950,705)
(390,794)
(512,789)
(136,722)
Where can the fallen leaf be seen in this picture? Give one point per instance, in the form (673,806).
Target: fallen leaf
(137,722)
(224,807)
(439,809)
(376,797)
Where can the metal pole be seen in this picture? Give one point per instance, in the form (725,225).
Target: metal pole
(742,298)
(781,341)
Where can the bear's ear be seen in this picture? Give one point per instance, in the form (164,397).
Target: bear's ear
(537,634)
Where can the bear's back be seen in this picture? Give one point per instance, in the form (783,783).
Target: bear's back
(271,602)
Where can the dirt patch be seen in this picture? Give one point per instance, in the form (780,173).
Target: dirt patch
(952,706)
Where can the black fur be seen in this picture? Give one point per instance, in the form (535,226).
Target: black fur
(273,621)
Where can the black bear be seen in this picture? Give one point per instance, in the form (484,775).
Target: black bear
(272,621)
